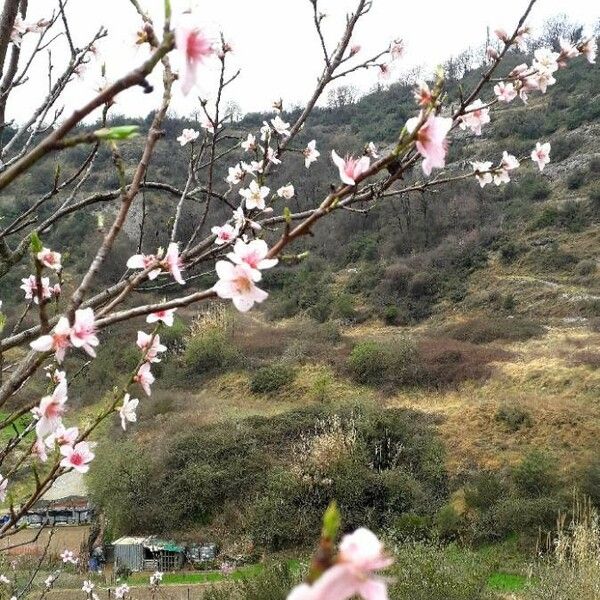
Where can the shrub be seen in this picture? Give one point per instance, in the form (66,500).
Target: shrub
(210,351)
(482,331)
(532,187)
(485,490)
(576,179)
(271,378)
(536,475)
(448,523)
(429,572)
(516,514)
(513,417)
(551,258)
(343,307)
(391,315)
(586,267)
(510,251)
(386,364)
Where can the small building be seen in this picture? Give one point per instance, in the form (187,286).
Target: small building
(74,510)
(147,554)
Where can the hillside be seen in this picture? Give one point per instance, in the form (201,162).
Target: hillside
(432,364)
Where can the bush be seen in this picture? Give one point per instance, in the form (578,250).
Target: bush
(586,267)
(551,258)
(391,315)
(271,378)
(526,515)
(575,180)
(532,187)
(513,417)
(482,331)
(428,572)
(510,251)
(210,351)
(385,364)
(536,475)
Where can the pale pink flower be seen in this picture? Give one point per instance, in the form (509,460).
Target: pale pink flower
(3,486)
(361,556)
(502,35)
(50,259)
(172,262)
(482,172)
(280,126)
(265,132)
(508,163)
(521,37)
(272,156)
(567,50)
(355,49)
(396,49)
(225,234)
(165,316)
(187,136)
(541,155)
(249,143)
(235,175)
(39,449)
(55,290)
(237,282)
(286,192)
(253,254)
(371,150)
(121,591)
(145,378)
(589,48)
(195,47)
(543,80)
(207,123)
(30,288)
(423,94)
(384,71)
(240,220)
(144,261)
(505,92)
(127,411)
(61,436)
(87,587)
(431,140)
(83,332)
(476,115)
(528,84)
(350,168)
(58,340)
(50,410)
(519,71)
(77,457)
(546,60)
(68,556)
(150,345)
(310,153)
(255,195)
(491,53)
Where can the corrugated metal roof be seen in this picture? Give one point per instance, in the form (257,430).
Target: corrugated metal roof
(129,541)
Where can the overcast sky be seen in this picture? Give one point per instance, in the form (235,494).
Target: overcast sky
(275,43)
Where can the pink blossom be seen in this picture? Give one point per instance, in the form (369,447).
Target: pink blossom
(150,345)
(77,457)
(235,176)
(396,49)
(589,49)
(476,115)
(225,234)
(423,94)
(68,556)
(50,410)
(39,449)
(55,290)
(505,92)
(361,556)
(61,436)
(173,262)
(30,288)
(255,195)
(546,60)
(541,155)
(50,259)
(528,84)
(195,47)
(286,192)
(350,168)
(384,71)
(502,35)
(145,378)
(237,282)
(482,172)
(127,411)
(508,163)
(431,140)
(371,150)
(187,136)
(272,156)
(567,50)
(253,254)
(310,153)
(280,126)
(58,340)
(492,53)
(165,315)
(249,143)
(543,80)
(83,332)
(144,261)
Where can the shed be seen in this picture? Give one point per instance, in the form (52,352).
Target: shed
(148,554)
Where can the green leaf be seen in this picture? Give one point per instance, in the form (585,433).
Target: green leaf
(35,243)
(331,521)
(121,132)
(287,215)
(167,10)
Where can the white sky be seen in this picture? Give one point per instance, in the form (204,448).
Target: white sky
(275,43)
